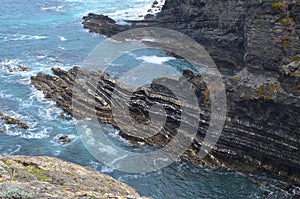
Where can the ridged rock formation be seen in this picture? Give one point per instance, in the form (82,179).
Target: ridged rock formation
(261,133)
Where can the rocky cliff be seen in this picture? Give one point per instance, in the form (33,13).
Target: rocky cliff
(262,130)
(45,177)
(237,34)
(261,133)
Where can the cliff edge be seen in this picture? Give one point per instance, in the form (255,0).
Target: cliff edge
(46,177)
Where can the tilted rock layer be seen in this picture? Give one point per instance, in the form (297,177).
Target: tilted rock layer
(261,133)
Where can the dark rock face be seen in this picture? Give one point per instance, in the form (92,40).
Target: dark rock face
(239,32)
(263,38)
(102,24)
(261,133)
(235,33)
(218,25)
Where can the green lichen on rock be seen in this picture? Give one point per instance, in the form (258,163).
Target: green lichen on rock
(235,79)
(286,8)
(267,91)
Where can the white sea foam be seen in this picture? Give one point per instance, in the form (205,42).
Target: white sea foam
(4,95)
(106,169)
(155,59)
(6,63)
(57,152)
(31,133)
(119,138)
(62,38)
(22,37)
(148,40)
(99,167)
(9,152)
(44,133)
(56,8)
(138,12)
(133,10)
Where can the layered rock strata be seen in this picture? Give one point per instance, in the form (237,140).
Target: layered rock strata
(261,133)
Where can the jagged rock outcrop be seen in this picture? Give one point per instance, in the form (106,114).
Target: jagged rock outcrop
(237,34)
(11,120)
(261,133)
(102,24)
(47,177)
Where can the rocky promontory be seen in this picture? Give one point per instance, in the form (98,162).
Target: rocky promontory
(261,133)
(47,177)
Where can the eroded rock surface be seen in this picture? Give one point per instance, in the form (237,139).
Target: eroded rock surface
(47,177)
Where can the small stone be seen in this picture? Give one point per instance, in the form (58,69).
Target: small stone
(80,194)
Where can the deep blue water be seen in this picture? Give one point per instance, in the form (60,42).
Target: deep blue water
(40,34)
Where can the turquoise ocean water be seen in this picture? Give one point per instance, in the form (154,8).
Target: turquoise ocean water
(40,34)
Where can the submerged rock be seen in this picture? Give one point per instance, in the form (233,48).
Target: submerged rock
(64,139)
(18,68)
(11,120)
(47,177)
